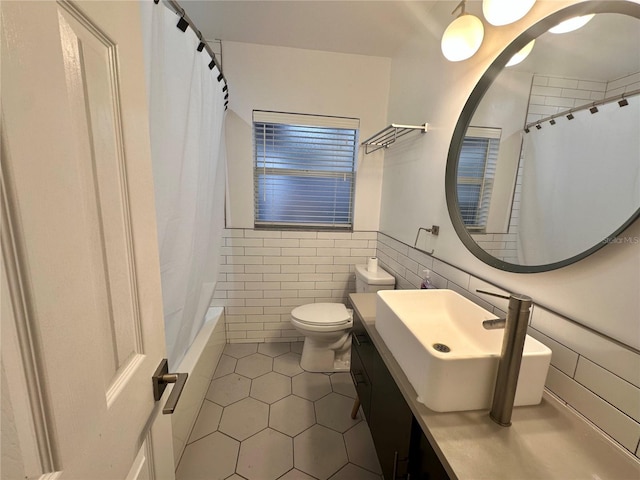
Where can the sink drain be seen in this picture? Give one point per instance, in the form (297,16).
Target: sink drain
(441,347)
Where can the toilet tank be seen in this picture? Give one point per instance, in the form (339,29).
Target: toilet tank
(369,282)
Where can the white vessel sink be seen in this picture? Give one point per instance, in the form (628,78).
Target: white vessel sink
(413,323)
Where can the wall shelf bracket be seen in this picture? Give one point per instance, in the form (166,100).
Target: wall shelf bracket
(387,136)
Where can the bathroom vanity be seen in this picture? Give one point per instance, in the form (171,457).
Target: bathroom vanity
(402,448)
(544,441)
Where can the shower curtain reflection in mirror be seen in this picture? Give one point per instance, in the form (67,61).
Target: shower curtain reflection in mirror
(583,172)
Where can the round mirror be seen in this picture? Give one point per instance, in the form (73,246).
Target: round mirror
(544,165)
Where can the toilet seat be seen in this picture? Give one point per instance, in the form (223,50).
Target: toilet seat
(322,314)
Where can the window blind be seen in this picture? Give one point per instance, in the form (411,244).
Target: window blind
(476,174)
(304,170)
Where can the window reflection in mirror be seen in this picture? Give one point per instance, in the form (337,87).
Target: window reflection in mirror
(476,174)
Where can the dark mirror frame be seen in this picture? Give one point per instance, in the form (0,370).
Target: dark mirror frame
(622,7)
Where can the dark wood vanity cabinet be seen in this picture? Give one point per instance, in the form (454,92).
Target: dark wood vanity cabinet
(403,450)
(390,422)
(424,464)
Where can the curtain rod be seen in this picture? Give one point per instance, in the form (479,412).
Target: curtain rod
(582,107)
(176,8)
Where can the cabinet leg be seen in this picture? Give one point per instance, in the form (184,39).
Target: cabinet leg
(356,406)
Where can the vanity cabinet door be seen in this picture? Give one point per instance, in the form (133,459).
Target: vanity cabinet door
(363,344)
(390,422)
(361,381)
(362,353)
(424,463)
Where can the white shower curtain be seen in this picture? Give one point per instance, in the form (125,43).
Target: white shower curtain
(186,109)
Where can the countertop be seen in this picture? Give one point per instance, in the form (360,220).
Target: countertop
(546,441)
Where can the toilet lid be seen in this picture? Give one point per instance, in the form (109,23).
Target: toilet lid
(322,314)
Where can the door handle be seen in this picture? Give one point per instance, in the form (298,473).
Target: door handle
(394,473)
(161,378)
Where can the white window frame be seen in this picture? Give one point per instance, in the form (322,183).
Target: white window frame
(313,166)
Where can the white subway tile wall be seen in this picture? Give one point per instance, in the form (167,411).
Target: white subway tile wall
(624,84)
(551,95)
(265,274)
(595,376)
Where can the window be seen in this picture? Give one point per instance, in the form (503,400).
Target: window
(476,172)
(304,170)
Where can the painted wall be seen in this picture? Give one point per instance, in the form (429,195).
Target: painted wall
(263,77)
(600,292)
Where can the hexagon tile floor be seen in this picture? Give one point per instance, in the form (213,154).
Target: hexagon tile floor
(265,418)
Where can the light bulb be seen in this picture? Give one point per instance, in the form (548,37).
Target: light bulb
(572,24)
(504,12)
(462,38)
(521,55)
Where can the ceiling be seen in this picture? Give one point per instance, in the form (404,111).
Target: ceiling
(604,49)
(362,27)
(381,27)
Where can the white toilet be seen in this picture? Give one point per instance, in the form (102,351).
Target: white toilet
(326,326)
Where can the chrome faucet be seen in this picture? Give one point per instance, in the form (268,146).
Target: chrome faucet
(515,332)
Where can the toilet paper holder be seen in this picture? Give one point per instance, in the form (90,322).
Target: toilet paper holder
(434,230)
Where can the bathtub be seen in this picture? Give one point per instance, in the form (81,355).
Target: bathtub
(199,362)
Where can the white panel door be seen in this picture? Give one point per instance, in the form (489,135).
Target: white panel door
(81,251)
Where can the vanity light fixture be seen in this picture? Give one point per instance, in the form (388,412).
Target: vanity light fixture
(570,116)
(623,102)
(552,121)
(572,24)
(521,55)
(504,12)
(538,126)
(463,36)
(593,109)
